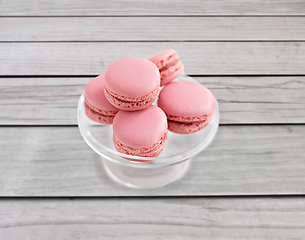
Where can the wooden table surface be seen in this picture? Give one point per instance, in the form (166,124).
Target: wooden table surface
(248,184)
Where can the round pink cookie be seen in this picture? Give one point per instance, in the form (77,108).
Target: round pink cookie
(168,64)
(189,106)
(97,107)
(140,133)
(132,83)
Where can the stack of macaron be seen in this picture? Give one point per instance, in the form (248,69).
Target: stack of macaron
(123,96)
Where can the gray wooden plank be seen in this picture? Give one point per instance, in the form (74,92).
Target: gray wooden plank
(242,160)
(134,7)
(211,58)
(53,101)
(182,218)
(136,28)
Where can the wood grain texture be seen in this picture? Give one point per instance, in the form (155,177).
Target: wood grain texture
(242,160)
(135,7)
(53,101)
(203,58)
(160,29)
(182,218)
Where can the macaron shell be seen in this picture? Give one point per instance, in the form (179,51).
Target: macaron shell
(127,105)
(97,117)
(186,99)
(172,73)
(132,77)
(186,128)
(164,58)
(95,97)
(152,151)
(140,129)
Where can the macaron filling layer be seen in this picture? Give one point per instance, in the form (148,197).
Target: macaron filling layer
(152,151)
(126,103)
(187,119)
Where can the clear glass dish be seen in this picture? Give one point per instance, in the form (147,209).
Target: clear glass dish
(154,171)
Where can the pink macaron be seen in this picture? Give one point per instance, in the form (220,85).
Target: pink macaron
(168,64)
(132,83)
(140,133)
(97,107)
(189,106)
